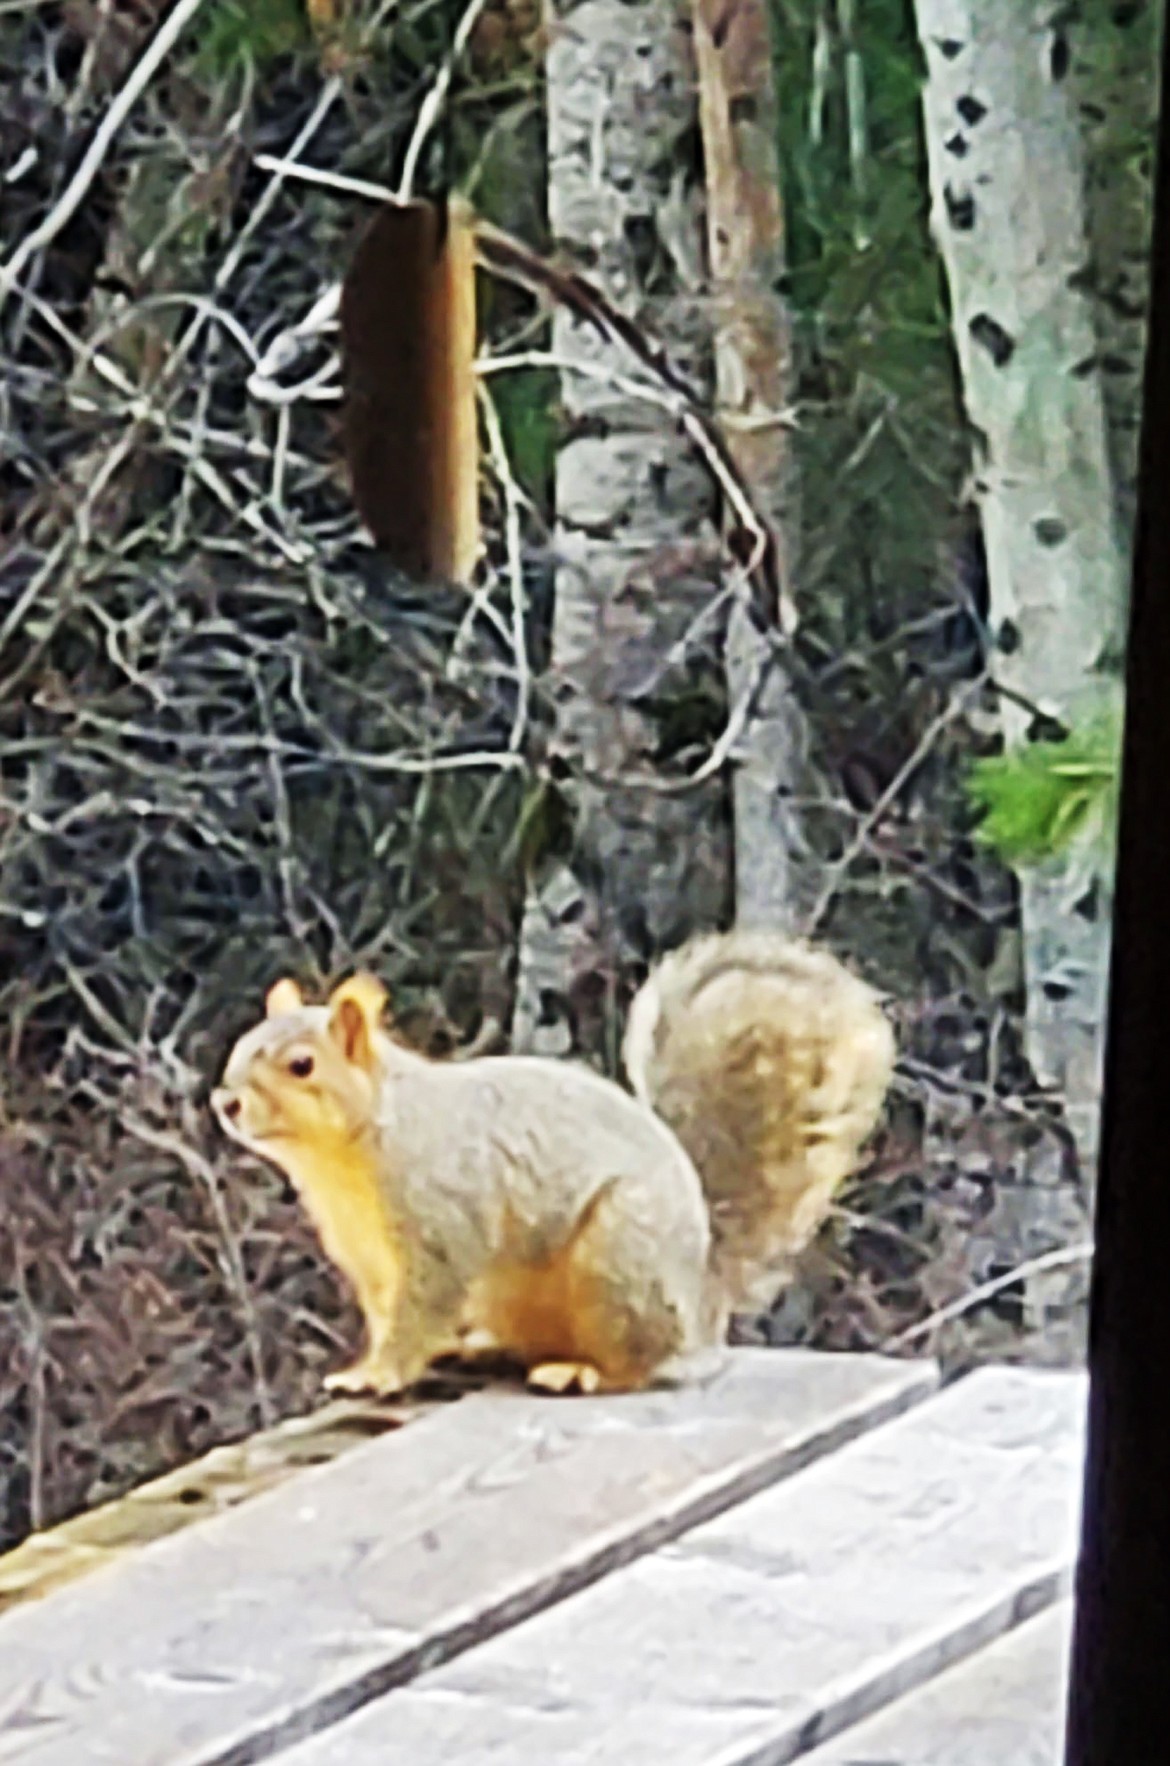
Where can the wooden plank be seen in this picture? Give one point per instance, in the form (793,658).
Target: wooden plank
(1002,1707)
(218,1480)
(757,1636)
(218,1644)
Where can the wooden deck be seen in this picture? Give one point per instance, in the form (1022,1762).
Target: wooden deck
(813,1557)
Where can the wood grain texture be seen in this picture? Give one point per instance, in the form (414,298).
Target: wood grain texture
(222,1643)
(408,330)
(1002,1707)
(215,1482)
(757,1636)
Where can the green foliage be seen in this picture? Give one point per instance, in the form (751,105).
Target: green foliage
(527,403)
(1116,73)
(238,33)
(1041,799)
(881,447)
(1115,76)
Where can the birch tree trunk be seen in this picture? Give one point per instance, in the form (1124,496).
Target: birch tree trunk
(1007,187)
(635,537)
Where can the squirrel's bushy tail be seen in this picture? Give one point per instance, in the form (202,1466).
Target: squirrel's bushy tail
(770,1061)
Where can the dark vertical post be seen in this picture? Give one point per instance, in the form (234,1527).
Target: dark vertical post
(1119,1693)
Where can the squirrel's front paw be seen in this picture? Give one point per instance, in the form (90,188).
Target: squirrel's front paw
(367,1375)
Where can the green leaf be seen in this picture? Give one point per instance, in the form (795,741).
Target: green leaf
(1039,800)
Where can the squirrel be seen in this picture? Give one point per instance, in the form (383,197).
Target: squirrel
(600,1237)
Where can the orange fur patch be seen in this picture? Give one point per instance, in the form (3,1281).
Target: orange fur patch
(340,1191)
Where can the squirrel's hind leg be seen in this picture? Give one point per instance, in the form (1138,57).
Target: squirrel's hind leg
(610,1306)
(633,1296)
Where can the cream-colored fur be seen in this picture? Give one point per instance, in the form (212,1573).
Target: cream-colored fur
(534,1206)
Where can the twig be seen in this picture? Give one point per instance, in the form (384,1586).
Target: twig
(512,539)
(35,1386)
(1059,1258)
(696,424)
(954,709)
(323,316)
(76,190)
(101,1016)
(736,722)
(508,257)
(281,809)
(233,1262)
(432,105)
(339,181)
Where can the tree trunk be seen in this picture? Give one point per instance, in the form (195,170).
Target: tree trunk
(635,539)
(1007,184)
(753,372)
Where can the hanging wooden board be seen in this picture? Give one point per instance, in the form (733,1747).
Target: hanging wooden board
(408,332)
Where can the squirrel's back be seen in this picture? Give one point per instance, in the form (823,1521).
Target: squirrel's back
(536,1141)
(770,1061)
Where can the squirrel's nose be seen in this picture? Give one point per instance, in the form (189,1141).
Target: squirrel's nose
(226,1103)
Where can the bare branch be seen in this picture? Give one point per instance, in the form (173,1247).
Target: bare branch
(80,183)
(1060,1257)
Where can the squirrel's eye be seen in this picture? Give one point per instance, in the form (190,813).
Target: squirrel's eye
(301,1066)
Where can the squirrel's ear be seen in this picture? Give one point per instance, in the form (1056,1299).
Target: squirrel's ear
(355,1011)
(283,996)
